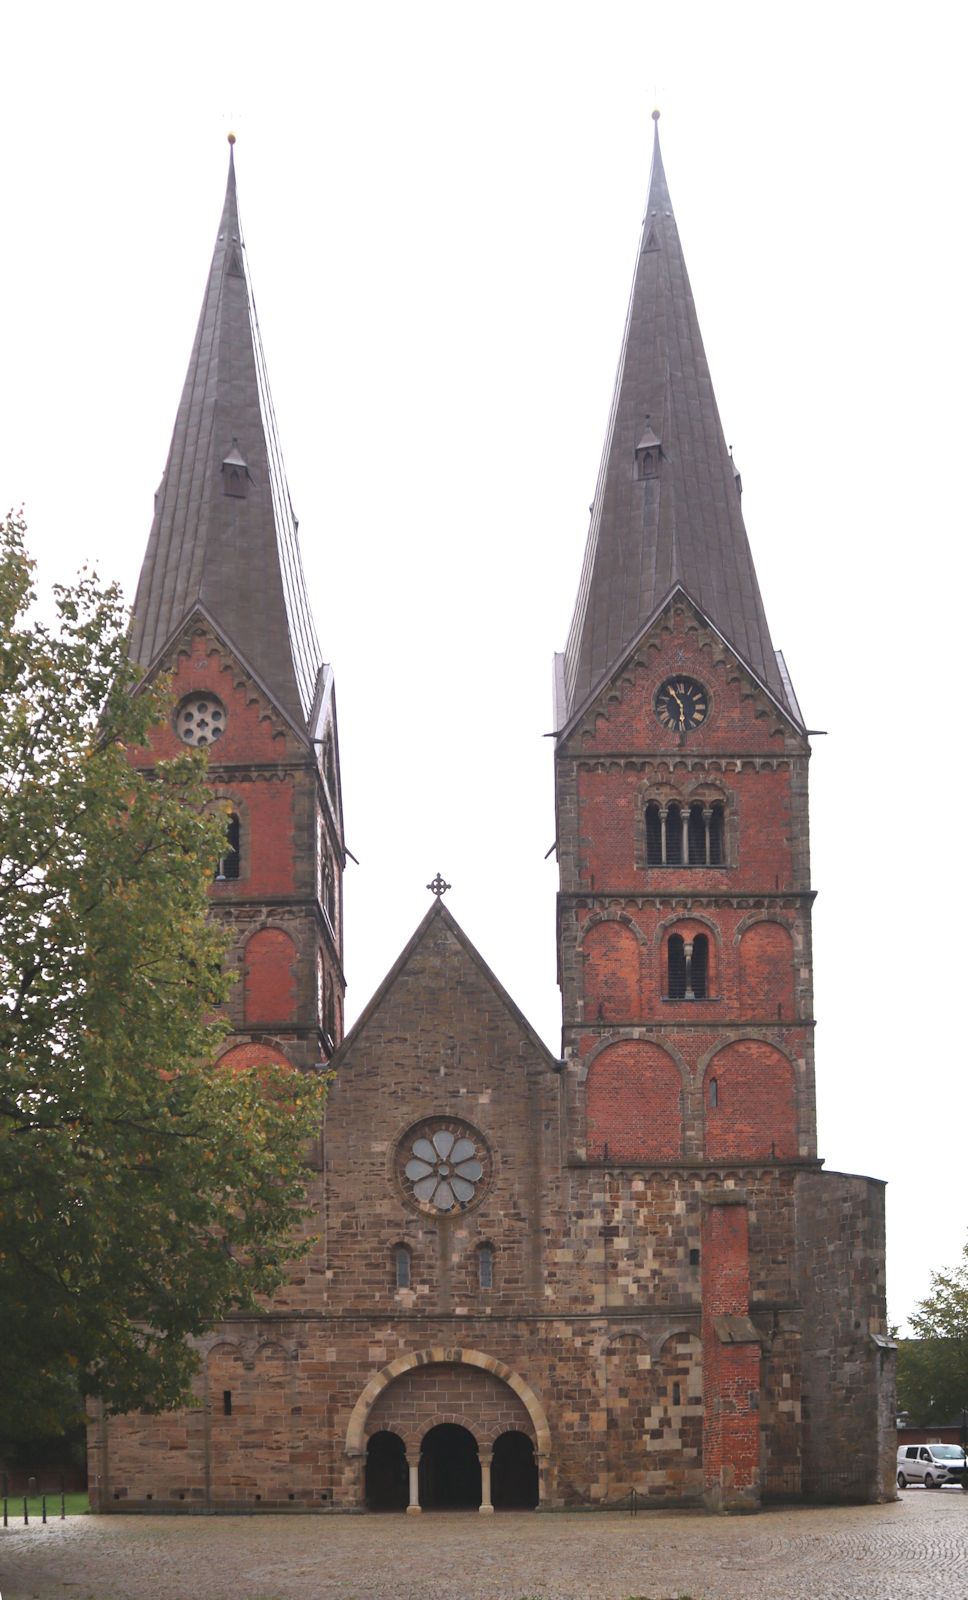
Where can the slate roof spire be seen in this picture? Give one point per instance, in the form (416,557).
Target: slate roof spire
(667,505)
(224,535)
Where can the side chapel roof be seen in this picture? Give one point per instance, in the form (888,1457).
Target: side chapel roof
(224,535)
(674,518)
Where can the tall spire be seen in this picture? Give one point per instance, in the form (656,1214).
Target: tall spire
(224,535)
(667,504)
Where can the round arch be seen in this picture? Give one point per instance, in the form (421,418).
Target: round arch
(643,1035)
(597,918)
(439,1355)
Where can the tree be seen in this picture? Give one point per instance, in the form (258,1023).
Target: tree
(932,1368)
(144,1192)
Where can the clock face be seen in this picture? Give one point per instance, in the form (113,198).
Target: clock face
(681,704)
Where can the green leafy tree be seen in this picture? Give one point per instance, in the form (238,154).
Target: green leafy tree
(144,1192)
(932,1368)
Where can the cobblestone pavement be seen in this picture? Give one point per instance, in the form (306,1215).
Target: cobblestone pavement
(917,1547)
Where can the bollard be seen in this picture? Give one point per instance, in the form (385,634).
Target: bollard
(5,1511)
(63,1512)
(26,1518)
(43,1508)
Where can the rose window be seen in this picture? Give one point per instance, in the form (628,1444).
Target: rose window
(444,1170)
(200,720)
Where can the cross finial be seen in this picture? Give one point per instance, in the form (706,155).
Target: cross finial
(438,886)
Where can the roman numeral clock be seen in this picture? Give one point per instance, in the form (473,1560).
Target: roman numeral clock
(681,704)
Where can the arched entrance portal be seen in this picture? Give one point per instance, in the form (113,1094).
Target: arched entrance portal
(467,1395)
(450,1469)
(387,1486)
(514,1473)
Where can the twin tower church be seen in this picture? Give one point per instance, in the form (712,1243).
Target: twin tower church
(540,1280)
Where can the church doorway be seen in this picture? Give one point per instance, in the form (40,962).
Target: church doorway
(450,1469)
(387,1480)
(514,1473)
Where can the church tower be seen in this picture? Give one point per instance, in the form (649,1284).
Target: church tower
(685,895)
(620,1276)
(222,606)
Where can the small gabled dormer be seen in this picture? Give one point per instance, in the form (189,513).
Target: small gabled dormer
(647,453)
(235,473)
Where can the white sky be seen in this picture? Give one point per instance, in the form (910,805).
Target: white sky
(441,205)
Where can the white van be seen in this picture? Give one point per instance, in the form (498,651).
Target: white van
(930,1464)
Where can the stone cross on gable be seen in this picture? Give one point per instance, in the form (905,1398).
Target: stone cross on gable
(438,886)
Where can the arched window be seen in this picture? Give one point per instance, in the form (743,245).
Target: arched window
(678,835)
(653,834)
(401,1266)
(677,967)
(485,1266)
(714,1091)
(230,860)
(699,966)
(688,974)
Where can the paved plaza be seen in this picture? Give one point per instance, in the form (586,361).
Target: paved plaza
(917,1547)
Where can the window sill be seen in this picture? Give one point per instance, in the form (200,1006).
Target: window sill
(681,1000)
(685,866)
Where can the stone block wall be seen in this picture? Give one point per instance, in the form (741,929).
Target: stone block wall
(849,1435)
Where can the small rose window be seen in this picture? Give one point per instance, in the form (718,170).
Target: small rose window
(444,1170)
(200,720)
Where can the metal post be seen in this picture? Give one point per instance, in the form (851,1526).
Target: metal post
(43,1508)
(26,1517)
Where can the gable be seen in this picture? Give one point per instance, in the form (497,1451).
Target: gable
(254,727)
(679,643)
(440,996)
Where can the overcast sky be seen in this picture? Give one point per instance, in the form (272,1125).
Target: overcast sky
(441,206)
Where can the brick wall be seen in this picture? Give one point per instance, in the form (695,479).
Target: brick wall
(731,1378)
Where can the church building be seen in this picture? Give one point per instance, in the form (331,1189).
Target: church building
(541,1281)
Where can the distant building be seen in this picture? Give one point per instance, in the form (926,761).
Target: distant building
(538,1281)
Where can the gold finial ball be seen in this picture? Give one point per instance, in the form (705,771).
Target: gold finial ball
(656,115)
(231,138)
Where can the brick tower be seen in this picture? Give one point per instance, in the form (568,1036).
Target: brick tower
(222,606)
(685,897)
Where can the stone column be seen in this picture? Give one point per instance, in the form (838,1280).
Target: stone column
(487,1510)
(414,1508)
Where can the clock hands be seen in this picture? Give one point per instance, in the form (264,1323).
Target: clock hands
(682,709)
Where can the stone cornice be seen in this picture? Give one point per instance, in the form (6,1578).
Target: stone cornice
(680,897)
(723,762)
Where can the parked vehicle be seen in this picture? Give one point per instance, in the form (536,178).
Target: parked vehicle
(932,1465)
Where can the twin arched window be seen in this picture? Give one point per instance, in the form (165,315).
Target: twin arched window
(685,835)
(402,1262)
(688,974)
